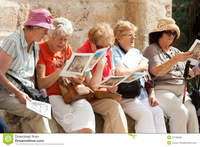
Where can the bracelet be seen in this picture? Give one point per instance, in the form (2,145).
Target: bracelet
(149,84)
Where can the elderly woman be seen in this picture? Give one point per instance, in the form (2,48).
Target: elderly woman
(17,59)
(128,60)
(77,116)
(101,36)
(167,65)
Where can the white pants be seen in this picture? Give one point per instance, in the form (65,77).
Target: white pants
(182,117)
(148,119)
(11,104)
(73,117)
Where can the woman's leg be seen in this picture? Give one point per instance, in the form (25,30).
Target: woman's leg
(113,114)
(137,110)
(193,126)
(158,116)
(75,117)
(174,109)
(10,103)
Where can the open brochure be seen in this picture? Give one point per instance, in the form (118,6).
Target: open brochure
(39,107)
(82,62)
(113,81)
(195,49)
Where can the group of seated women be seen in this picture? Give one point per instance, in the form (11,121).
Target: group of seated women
(163,64)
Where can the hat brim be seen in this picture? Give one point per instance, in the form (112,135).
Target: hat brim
(40,24)
(168,27)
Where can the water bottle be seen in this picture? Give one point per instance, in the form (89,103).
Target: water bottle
(43,92)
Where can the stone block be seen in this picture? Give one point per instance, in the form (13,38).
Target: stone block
(8,16)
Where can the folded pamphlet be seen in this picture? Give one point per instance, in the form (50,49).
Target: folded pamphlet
(195,49)
(39,107)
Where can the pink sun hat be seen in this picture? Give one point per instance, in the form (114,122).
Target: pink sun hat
(41,18)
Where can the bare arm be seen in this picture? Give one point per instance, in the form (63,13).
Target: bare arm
(97,75)
(162,69)
(5,62)
(46,81)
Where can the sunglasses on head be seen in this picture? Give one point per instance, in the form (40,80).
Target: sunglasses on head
(169,33)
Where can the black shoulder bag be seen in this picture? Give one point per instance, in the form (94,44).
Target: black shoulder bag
(33,93)
(129,90)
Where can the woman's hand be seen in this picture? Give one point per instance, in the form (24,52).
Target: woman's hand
(78,79)
(23,97)
(112,89)
(181,57)
(153,101)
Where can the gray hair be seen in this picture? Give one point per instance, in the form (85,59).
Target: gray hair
(62,27)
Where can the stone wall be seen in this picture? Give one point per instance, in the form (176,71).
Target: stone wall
(85,13)
(145,13)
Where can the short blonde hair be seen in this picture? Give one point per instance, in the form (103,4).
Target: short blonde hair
(101,32)
(62,27)
(122,26)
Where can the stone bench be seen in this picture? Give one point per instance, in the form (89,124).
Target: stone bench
(56,128)
(14,124)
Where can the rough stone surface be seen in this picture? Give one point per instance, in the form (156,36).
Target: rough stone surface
(16,124)
(145,13)
(86,13)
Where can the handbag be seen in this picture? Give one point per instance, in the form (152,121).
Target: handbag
(31,92)
(102,94)
(70,91)
(130,90)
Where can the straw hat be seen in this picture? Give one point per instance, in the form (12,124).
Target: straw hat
(41,18)
(165,24)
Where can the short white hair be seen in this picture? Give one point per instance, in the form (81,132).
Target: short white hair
(62,26)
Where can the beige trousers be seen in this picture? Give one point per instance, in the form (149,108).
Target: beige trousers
(11,104)
(182,117)
(113,114)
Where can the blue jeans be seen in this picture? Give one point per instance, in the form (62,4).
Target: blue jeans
(3,128)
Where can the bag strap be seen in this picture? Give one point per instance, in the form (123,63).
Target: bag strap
(198,83)
(35,71)
(16,80)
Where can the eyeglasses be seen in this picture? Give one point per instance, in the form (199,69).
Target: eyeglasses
(130,35)
(169,33)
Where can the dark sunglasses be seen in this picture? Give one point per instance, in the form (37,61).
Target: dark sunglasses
(169,33)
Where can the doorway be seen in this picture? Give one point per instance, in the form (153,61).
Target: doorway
(187,16)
